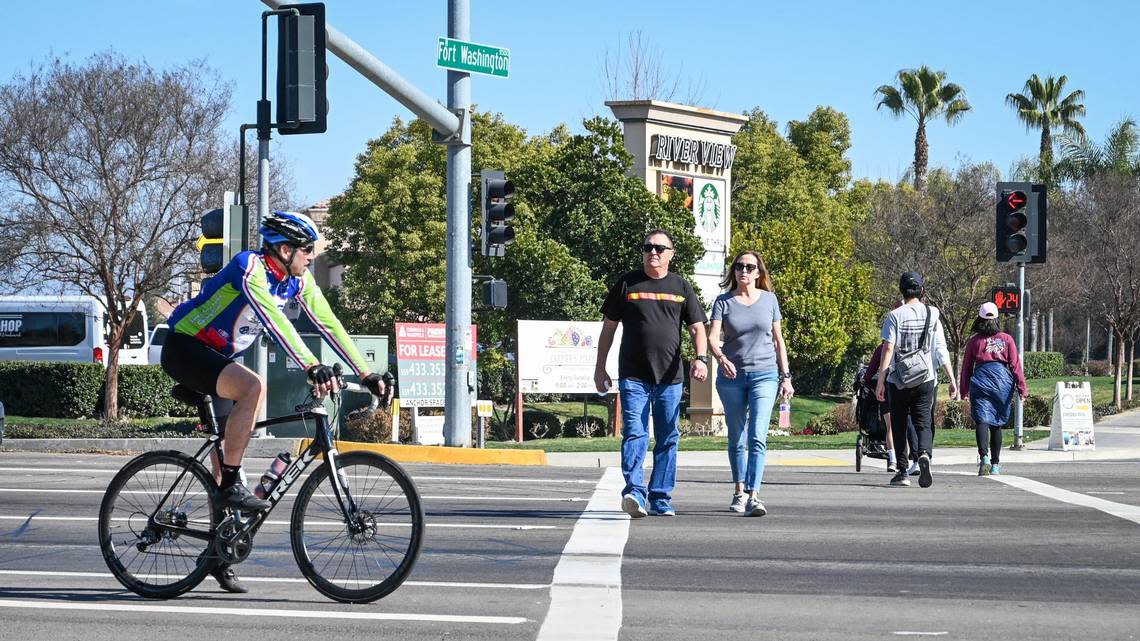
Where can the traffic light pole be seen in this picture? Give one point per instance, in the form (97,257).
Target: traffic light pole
(457,385)
(1019,416)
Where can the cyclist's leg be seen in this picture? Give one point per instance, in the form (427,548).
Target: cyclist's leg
(246,389)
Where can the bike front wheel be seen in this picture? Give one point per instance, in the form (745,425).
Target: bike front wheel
(156,524)
(368,555)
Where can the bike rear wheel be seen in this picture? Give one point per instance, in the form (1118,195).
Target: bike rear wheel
(369,556)
(144,520)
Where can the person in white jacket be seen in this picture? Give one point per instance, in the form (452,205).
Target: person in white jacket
(913,327)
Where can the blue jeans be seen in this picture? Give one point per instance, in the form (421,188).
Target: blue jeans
(637,400)
(747,401)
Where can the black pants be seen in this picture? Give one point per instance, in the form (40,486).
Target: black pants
(992,435)
(916,405)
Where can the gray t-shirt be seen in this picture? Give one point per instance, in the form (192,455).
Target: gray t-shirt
(747,330)
(903,327)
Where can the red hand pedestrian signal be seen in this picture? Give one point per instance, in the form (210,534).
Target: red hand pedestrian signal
(1007,299)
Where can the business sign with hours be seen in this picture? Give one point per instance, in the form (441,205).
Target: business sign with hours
(557,357)
(421,357)
(1072,427)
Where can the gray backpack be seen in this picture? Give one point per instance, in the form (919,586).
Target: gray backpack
(914,366)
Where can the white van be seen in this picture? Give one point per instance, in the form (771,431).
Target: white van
(64,328)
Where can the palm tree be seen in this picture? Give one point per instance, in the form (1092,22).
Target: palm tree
(1120,153)
(924,94)
(1040,106)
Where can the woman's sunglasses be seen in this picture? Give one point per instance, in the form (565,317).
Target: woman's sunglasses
(744,267)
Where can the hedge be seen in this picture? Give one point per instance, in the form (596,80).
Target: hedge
(1044,364)
(75,390)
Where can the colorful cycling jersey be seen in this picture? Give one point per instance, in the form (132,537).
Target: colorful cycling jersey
(249,294)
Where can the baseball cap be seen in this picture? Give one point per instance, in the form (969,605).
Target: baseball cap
(988,310)
(910,280)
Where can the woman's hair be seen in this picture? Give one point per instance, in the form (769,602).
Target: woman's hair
(986,326)
(763,278)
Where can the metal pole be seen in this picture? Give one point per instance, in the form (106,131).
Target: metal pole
(1019,415)
(1088,343)
(391,82)
(1050,347)
(457,391)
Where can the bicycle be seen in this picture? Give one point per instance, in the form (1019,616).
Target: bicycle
(354,539)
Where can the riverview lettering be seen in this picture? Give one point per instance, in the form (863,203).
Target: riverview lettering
(693,152)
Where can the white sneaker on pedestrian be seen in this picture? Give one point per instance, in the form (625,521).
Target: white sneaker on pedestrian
(925,479)
(633,507)
(913,469)
(755,508)
(737,504)
(900,479)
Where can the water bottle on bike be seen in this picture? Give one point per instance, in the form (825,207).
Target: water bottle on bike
(272,475)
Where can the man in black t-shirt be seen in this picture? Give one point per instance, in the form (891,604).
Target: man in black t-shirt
(652,305)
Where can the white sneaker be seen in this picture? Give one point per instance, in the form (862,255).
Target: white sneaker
(737,504)
(631,506)
(755,508)
(913,469)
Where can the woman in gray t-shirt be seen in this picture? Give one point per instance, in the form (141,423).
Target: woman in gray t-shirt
(753,366)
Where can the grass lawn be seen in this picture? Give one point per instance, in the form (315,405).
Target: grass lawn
(942,438)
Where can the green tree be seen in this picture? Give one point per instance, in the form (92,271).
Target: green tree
(925,95)
(1040,106)
(822,141)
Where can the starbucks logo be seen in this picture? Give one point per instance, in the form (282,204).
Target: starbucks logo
(708,208)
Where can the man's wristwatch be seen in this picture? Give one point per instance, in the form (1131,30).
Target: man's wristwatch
(704,358)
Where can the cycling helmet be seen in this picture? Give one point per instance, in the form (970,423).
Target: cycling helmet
(289,227)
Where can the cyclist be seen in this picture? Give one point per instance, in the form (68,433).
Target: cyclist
(210,331)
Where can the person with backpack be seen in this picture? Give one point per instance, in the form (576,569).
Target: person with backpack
(913,343)
(991,370)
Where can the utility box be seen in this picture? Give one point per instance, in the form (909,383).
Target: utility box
(288,386)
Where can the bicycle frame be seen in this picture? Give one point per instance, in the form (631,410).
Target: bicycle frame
(323,444)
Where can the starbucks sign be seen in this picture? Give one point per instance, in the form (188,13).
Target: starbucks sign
(707,208)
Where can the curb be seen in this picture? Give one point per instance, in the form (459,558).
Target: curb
(438,454)
(258,447)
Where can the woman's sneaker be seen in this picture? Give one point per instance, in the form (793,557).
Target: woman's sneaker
(632,506)
(755,508)
(925,479)
(984,468)
(995,469)
(737,504)
(900,479)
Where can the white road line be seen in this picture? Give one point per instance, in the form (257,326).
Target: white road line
(441,497)
(585,595)
(268,579)
(1104,492)
(258,612)
(467,479)
(472,526)
(1121,510)
(905,633)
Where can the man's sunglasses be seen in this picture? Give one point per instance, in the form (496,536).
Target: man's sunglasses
(651,247)
(745,267)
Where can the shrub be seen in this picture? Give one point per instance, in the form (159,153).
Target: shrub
(56,390)
(1038,410)
(836,420)
(365,426)
(144,390)
(1043,364)
(1075,369)
(1100,368)
(1101,411)
(96,429)
(583,427)
(538,424)
(953,415)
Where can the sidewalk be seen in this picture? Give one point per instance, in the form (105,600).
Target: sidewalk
(1117,438)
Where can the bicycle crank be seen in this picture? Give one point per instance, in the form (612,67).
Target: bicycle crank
(232,542)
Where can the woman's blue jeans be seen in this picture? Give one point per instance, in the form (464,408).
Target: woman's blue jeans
(748,401)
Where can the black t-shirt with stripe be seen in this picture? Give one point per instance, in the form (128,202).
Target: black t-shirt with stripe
(652,312)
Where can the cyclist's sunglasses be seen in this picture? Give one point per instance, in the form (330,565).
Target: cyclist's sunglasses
(308,249)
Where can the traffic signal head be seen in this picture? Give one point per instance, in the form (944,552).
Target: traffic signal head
(212,243)
(497,213)
(1021,224)
(302,107)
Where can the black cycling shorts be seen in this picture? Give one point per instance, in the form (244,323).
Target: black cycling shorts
(193,363)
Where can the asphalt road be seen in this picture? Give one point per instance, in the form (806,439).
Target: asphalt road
(1051,552)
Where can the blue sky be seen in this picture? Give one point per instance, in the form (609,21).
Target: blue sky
(786,58)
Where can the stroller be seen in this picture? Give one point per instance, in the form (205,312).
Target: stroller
(872,438)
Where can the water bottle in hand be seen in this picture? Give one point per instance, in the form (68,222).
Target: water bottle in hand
(785,414)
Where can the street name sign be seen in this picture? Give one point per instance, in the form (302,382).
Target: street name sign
(473,57)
